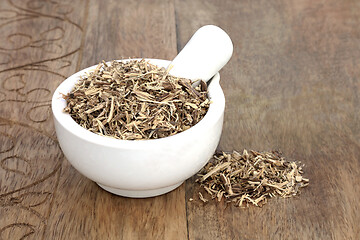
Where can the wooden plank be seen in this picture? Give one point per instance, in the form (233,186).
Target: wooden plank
(140,29)
(292,84)
(81,209)
(37,52)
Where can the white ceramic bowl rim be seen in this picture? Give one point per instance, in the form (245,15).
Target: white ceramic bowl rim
(58,104)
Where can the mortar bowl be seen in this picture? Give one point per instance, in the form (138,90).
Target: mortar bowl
(138,168)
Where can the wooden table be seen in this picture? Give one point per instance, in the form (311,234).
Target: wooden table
(292,84)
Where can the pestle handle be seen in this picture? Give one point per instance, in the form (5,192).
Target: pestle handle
(208,50)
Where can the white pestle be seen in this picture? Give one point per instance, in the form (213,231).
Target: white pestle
(208,50)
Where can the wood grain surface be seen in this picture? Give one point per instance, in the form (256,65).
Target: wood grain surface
(291,85)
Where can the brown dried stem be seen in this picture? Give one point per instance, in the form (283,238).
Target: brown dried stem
(136,100)
(251,177)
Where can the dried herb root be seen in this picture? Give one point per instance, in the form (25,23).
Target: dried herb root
(250,178)
(136,100)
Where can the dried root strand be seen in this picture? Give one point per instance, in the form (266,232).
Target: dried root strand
(136,100)
(251,177)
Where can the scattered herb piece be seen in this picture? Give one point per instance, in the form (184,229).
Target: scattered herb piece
(136,100)
(250,178)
